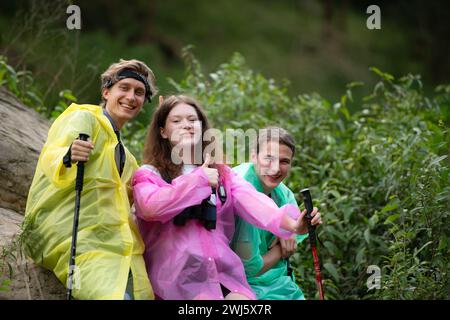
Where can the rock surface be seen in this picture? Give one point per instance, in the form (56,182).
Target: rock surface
(22,135)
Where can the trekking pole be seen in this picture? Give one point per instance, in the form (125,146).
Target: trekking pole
(312,239)
(73,247)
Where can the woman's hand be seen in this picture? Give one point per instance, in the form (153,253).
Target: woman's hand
(211,173)
(302,225)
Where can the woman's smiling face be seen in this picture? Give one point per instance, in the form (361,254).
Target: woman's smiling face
(182,126)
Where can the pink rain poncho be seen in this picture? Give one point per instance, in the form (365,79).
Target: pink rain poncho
(190,262)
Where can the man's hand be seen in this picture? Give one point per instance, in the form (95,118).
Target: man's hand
(80,150)
(288,247)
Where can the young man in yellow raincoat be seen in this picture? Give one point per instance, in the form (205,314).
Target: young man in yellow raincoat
(109,262)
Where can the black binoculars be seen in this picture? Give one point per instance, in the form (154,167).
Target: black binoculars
(206,212)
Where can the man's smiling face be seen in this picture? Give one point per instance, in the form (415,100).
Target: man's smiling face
(124,100)
(272,164)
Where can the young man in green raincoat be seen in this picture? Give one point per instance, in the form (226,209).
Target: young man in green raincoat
(109,262)
(265,257)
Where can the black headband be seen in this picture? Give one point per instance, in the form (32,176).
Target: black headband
(127,73)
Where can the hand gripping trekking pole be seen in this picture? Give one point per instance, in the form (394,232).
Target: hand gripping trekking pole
(312,239)
(73,247)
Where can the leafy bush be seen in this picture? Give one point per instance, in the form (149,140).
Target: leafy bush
(22,85)
(379,175)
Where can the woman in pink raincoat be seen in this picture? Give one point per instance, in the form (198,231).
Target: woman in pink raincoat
(188,259)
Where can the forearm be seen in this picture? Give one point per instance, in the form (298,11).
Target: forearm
(270,259)
(261,211)
(51,164)
(291,225)
(156,200)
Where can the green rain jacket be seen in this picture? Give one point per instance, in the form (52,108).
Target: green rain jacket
(109,244)
(251,243)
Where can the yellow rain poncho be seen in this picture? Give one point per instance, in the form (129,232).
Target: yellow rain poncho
(109,244)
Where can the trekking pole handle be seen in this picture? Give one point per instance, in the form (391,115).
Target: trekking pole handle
(308,203)
(309,209)
(80,166)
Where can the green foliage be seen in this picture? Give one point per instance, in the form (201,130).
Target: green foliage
(283,39)
(6,269)
(8,258)
(23,86)
(20,84)
(379,176)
